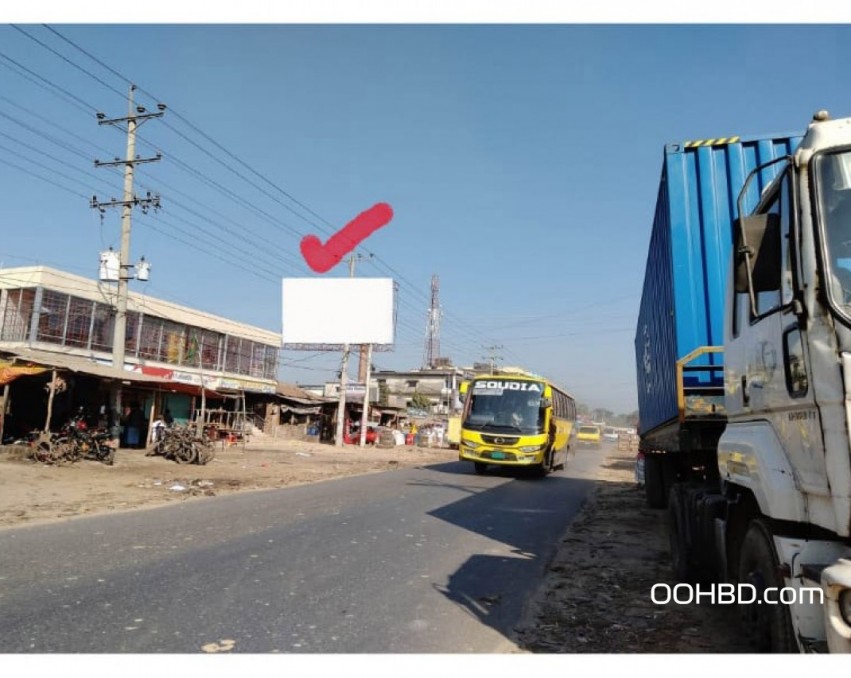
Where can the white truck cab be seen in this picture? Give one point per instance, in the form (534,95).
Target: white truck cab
(748,444)
(784,458)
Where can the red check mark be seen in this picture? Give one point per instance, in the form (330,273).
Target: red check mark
(322,258)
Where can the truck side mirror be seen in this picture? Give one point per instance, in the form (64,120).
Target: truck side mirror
(757,252)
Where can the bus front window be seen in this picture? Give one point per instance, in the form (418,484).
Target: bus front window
(505,410)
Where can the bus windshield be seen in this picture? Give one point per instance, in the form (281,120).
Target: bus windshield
(505,406)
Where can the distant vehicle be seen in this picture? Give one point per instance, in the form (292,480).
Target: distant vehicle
(516,420)
(589,435)
(610,435)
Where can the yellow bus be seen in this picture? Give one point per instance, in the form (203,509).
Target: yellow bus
(514,420)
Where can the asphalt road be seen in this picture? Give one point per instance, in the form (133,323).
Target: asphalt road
(427,560)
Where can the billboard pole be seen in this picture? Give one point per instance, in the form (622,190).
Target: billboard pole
(363,416)
(341,407)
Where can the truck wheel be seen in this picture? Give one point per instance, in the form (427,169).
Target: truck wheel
(704,550)
(678,535)
(768,626)
(480,467)
(654,481)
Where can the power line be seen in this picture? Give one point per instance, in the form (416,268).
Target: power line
(45,179)
(66,59)
(459,325)
(75,100)
(177,115)
(54,124)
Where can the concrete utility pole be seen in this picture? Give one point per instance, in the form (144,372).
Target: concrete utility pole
(135,117)
(492,357)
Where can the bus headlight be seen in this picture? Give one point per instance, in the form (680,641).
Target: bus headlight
(845,606)
(530,448)
(470,444)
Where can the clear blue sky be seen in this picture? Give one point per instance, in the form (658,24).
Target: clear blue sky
(521,161)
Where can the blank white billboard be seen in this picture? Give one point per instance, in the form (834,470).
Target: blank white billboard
(338,311)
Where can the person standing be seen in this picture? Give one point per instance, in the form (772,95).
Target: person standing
(135,425)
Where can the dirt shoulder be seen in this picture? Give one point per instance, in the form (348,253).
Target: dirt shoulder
(596,596)
(31,492)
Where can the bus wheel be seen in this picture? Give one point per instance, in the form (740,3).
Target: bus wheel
(768,626)
(480,467)
(546,466)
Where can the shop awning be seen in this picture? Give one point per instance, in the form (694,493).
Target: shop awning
(191,389)
(287,409)
(27,357)
(9,371)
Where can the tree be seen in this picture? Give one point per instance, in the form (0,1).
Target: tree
(421,401)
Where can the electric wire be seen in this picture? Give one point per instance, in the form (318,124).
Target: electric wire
(472,332)
(328,226)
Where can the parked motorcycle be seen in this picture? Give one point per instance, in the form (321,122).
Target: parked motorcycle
(75,441)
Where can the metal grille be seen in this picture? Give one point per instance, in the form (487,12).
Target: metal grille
(150,337)
(17,314)
(79,325)
(499,440)
(103,328)
(51,321)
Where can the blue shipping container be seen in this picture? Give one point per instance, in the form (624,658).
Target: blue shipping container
(682,303)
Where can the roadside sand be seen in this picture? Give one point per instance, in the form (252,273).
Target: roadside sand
(31,492)
(596,596)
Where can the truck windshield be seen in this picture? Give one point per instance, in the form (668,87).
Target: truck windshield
(834,190)
(505,406)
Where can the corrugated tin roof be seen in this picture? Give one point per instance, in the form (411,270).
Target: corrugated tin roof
(75,363)
(291,392)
